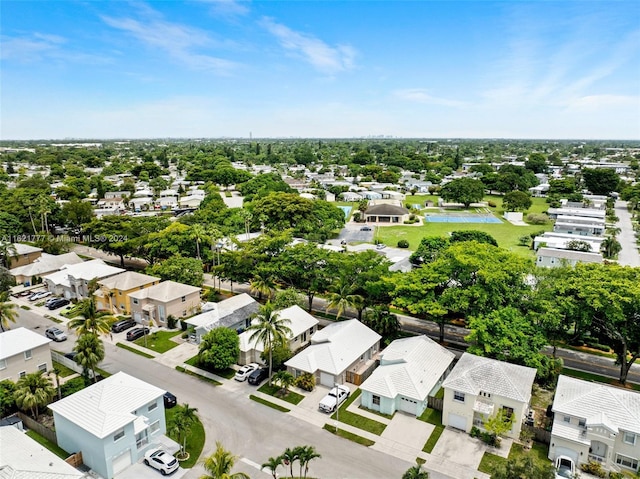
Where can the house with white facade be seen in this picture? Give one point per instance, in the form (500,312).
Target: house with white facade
(478,388)
(345,351)
(112,422)
(555,258)
(596,422)
(23,352)
(72,280)
(45,264)
(301,324)
(410,370)
(233,313)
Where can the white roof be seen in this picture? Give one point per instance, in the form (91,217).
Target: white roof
(165,291)
(46,263)
(107,406)
(87,270)
(473,374)
(224,308)
(334,348)
(583,256)
(409,367)
(24,458)
(128,280)
(16,341)
(299,322)
(25,248)
(599,404)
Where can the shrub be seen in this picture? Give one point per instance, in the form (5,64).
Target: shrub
(403,243)
(183,325)
(593,467)
(537,219)
(524,240)
(73,386)
(616,475)
(475,432)
(171,322)
(492,204)
(306,381)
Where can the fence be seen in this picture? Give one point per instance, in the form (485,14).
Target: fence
(539,434)
(75,459)
(39,428)
(70,363)
(435,403)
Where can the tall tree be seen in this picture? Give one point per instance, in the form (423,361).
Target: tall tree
(342,296)
(8,312)
(181,423)
(219,464)
(463,190)
(90,352)
(600,181)
(33,391)
(272,465)
(219,348)
(306,454)
(269,329)
(7,253)
(88,319)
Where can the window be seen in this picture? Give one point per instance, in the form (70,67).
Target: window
(3,364)
(304,336)
(154,427)
(135,301)
(485,394)
(458,396)
(42,367)
(152,406)
(183,299)
(22,374)
(118,435)
(27,354)
(625,461)
(142,439)
(567,419)
(508,411)
(582,422)
(629,438)
(376,400)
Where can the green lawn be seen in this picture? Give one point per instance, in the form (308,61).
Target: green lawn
(228,373)
(433,439)
(273,390)
(199,376)
(160,341)
(134,350)
(277,407)
(356,420)
(54,448)
(63,371)
(195,440)
(348,435)
(431,416)
(490,463)
(538,453)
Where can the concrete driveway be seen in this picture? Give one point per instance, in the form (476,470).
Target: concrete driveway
(140,471)
(457,447)
(407,430)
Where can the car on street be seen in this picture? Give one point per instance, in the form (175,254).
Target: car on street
(257,376)
(565,467)
(123,325)
(161,460)
(244,372)
(136,333)
(56,334)
(58,303)
(365,228)
(169,400)
(381,246)
(336,396)
(72,355)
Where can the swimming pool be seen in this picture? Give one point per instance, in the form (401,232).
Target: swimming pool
(435,218)
(346,209)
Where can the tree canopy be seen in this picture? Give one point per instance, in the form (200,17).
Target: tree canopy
(463,190)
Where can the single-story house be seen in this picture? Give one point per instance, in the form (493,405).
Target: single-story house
(113,292)
(410,370)
(350,196)
(23,457)
(112,422)
(157,303)
(72,280)
(596,422)
(24,254)
(301,324)
(386,213)
(345,351)
(233,313)
(45,264)
(190,201)
(23,352)
(554,258)
(478,388)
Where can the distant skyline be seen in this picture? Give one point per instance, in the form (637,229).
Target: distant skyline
(324,69)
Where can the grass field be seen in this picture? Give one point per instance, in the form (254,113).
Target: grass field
(160,341)
(273,390)
(195,439)
(538,453)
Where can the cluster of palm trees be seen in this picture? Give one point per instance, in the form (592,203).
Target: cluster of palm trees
(302,454)
(180,425)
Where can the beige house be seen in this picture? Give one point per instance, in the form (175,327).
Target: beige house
(301,324)
(596,422)
(23,352)
(45,264)
(25,254)
(386,213)
(478,388)
(158,302)
(113,292)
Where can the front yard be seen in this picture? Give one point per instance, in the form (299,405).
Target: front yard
(195,439)
(538,453)
(159,341)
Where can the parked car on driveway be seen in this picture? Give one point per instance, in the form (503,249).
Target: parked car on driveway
(123,325)
(136,333)
(51,300)
(565,467)
(60,302)
(161,460)
(244,372)
(336,396)
(40,295)
(56,334)
(169,400)
(365,228)
(257,376)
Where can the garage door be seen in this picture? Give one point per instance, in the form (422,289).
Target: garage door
(409,405)
(565,451)
(326,379)
(121,462)
(459,422)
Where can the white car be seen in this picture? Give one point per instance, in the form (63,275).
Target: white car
(56,334)
(161,460)
(336,396)
(565,467)
(244,372)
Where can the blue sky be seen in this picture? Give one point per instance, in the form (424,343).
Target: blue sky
(202,68)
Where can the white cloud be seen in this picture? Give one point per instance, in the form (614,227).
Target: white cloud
(41,46)
(325,58)
(228,8)
(420,95)
(594,102)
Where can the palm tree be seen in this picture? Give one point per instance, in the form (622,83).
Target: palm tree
(289,456)
(90,352)
(219,464)
(198,233)
(610,247)
(341,297)
(272,465)
(180,425)
(8,311)
(262,283)
(285,380)
(382,321)
(305,455)
(33,391)
(415,472)
(88,319)
(7,253)
(269,329)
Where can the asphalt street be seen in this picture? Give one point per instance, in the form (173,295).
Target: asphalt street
(629,255)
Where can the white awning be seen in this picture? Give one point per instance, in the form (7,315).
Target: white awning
(483,407)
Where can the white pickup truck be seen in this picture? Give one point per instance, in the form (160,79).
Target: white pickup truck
(336,396)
